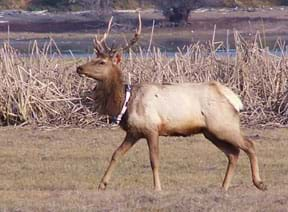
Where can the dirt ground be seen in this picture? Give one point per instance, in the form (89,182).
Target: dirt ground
(201,23)
(58,169)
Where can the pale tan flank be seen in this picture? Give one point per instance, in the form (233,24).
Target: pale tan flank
(169,110)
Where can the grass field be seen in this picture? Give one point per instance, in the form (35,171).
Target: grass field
(58,169)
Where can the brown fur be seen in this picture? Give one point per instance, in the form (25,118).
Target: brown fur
(114,94)
(109,92)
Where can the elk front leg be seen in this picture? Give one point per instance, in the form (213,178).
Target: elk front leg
(128,142)
(153,143)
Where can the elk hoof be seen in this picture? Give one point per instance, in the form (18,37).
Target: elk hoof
(261,186)
(157,189)
(102,186)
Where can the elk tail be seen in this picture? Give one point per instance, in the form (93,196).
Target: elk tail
(233,98)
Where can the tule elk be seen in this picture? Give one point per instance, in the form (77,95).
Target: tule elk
(152,110)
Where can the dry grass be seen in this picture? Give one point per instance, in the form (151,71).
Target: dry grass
(59,170)
(43,88)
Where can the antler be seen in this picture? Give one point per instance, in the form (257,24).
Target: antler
(101,47)
(136,36)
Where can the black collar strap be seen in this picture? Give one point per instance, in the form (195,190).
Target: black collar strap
(117,119)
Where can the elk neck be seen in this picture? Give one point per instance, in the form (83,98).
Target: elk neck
(113,93)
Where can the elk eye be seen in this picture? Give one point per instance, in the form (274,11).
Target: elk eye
(102,63)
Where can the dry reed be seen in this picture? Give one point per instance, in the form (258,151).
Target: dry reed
(44,89)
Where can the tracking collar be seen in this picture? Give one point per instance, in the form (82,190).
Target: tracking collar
(117,119)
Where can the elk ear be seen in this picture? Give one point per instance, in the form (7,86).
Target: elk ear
(117,59)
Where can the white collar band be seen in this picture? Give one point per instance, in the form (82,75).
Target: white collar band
(117,119)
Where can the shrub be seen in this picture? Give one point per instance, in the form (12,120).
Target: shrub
(44,88)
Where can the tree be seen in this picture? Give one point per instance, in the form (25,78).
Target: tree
(178,11)
(94,4)
(8,4)
(98,5)
(284,2)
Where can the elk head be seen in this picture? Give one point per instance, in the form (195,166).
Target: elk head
(103,66)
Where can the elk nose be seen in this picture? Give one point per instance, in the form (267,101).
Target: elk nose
(79,70)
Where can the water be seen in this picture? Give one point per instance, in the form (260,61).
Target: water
(83,48)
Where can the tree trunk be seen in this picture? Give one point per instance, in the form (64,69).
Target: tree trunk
(178,14)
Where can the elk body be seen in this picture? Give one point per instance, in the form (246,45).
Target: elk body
(169,110)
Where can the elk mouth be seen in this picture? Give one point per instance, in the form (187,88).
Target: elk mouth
(81,75)
(79,71)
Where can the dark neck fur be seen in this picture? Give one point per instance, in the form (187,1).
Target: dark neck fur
(110,94)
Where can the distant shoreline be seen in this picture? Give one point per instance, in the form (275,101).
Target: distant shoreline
(81,26)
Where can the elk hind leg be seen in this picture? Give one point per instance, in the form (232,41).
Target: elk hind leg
(232,153)
(248,147)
